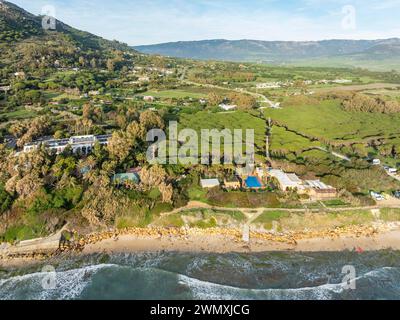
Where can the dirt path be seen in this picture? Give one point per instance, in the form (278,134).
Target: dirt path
(258,96)
(253,213)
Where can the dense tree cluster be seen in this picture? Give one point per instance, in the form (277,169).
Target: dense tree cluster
(359,102)
(28,130)
(242,100)
(63,181)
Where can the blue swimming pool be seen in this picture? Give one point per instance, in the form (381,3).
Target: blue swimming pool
(253,182)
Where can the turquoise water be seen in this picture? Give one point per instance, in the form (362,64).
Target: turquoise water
(253,182)
(212,276)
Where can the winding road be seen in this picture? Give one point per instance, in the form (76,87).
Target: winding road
(260,97)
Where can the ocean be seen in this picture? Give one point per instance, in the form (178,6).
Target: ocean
(260,276)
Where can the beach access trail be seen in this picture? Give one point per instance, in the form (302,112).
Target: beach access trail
(253,213)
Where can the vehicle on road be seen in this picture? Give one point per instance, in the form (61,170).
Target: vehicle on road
(377,196)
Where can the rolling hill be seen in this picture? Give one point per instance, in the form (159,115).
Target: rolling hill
(25,44)
(380,53)
(16,24)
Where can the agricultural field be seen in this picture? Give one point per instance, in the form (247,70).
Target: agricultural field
(177,94)
(205,218)
(328,121)
(294,221)
(18,114)
(285,141)
(220,121)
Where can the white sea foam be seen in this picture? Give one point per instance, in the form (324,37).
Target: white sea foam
(204,290)
(69,284)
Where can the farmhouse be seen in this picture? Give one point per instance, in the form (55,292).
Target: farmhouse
(232,183)
(318,190)
(268,85)
(286,181)
(78,144)
(376,162)
(227,107)
(144,79)
(94,93)
(209,183)
(20,74)
(5,88)
(148,98)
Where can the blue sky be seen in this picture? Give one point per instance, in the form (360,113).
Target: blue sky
(154,21)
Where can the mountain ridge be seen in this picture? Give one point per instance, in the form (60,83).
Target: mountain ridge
(17,24)
(25,44)
(277,51)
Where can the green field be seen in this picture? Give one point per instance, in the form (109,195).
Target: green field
(221,121)
(288,141)
(327,120)
(177,94)
(347,62)
(294,221)
(201,218)
(20,113)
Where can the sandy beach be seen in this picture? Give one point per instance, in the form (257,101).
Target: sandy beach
(223,244)
(220,241)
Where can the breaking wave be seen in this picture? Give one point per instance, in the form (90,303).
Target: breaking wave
(147,278)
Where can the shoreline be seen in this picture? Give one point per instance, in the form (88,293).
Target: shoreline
(224,244)
(219,241)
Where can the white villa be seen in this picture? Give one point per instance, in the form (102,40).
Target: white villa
(79,144)
(286,181)
(227,107)
(316,189)
(269,85)
(148,98)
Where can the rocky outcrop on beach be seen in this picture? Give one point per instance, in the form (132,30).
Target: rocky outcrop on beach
(234,234)
(72,243)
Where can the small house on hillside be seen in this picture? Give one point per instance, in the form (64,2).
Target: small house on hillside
(227,107)
(20,74)
(232,183)
(318,190)
(148,98)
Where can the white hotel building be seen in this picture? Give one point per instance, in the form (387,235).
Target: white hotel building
(78,144)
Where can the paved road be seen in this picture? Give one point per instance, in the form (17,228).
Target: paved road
(45,245)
